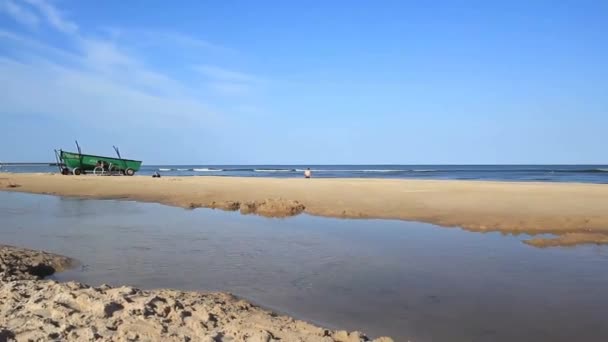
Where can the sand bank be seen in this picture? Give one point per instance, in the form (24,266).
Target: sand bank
(42,310)
(533,208)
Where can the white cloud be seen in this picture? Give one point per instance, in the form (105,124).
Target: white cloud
(99,81)
(72,94)
(84,78)
(165,39)
(110,61)
(53,16)
(95,82)
(20,14)
(27,43)
(105,53)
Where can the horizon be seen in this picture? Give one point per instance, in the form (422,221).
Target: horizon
(337,83)
(305,165)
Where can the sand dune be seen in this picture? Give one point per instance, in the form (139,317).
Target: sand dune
(533,208)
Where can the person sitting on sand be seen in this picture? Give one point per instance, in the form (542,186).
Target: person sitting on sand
(307,173)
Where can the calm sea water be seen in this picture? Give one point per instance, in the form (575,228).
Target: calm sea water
(404,279)
(542,173)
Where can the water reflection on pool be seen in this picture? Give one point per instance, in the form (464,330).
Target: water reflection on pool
(403,279)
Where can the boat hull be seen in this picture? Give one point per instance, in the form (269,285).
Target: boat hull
(87,162)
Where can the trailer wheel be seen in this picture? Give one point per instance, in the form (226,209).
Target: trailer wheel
(77,171)
(65,171)
(129,172)
(98,171)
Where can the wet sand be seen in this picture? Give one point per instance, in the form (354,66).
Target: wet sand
(36,309)
(531,208)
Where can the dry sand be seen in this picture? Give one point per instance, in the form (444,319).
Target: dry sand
(32,309)
(533,208)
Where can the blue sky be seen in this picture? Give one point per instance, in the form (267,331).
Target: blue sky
(308,82)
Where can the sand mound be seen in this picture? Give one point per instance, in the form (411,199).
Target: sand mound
(269,207)
(18,264)
(569,239)
(42,310)
(273,208)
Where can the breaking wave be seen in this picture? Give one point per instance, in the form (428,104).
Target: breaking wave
(207,170)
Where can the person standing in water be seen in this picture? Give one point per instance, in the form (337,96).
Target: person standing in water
(307,173)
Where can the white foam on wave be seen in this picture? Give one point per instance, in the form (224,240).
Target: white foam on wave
(379,170)
(164,170)
(272,170)
(352,170)
(326,170)
(207,170)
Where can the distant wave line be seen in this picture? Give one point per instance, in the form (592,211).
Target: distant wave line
(263,170)
(274,170)
(207,170)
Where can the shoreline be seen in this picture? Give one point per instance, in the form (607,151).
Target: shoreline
(75,311)
(575,212)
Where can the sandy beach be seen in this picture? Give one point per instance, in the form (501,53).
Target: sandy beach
(576,213)
(35,309)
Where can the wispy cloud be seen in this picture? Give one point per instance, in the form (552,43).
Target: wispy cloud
(156,37)
(95,77)
(19,13)
(186,40)
(116,80)
(41,86)
(111,61)
(228,82)
(105,54)
(53,16)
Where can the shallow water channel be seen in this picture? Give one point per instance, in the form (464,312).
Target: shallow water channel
(407,280)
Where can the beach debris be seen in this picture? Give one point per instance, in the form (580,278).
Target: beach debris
(12,185)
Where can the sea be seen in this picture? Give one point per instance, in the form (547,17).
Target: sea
(520,173)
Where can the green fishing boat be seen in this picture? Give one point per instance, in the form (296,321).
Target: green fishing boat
(78,163)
